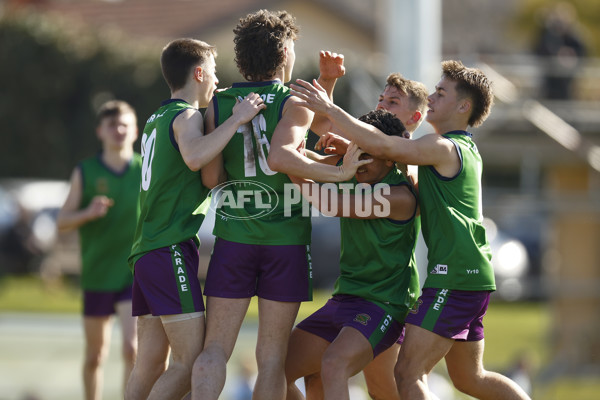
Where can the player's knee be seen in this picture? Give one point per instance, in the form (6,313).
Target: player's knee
(313,386)
(129,352)
(93,363)
(403,376)
(93,360)
(382,390)
(333,367)
(154,371)
(149,369)
(401,381)
(270,361)
(180,368)
(201,366)
(270,364)
(383,395)
(292,374)
(375,394)
(462,386)
(399,372)
(312,380)
(463,382)
(210,358)
(213,353)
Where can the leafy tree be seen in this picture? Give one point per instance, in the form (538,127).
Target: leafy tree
(56,73)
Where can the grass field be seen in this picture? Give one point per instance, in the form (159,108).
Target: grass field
(512,330)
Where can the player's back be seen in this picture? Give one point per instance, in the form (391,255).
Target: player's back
(250,207)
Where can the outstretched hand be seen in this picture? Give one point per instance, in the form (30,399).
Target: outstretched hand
(245,109)
(314,96)
(331,65)
(352,161)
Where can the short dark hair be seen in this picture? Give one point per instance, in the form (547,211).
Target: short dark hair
(385,121)
(180,56)
(471,83)
(112,108)
(259,42)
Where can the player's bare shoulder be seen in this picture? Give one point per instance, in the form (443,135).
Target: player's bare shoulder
(442,154)
(187,124)
(295,104)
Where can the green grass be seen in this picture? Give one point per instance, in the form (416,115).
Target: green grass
(512,329)
(30,294)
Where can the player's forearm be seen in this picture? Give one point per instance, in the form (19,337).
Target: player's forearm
(321,123)
(370,139)
(70,220)
(213,173)
(328,85)
(290,162)
(330,160)
(207,147)
(314,156)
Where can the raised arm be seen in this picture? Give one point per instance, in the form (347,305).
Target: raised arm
(331,68)
(430,149)
(196,149)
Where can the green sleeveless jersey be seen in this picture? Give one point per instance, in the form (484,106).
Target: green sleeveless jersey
(251,206)
(106,242)
(377,260)
(173,200)
(458,250)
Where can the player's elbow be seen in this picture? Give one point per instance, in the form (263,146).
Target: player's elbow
(194,167)
(276,160)
(193,163)
(196,160)
(62,226)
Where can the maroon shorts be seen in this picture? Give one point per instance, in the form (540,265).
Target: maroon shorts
(453,314)
(279,273)
(165,281)
(376,325)
(96,304)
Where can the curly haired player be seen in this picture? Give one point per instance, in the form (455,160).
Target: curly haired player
(267,256)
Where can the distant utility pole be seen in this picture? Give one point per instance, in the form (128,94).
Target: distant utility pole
(411,38)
